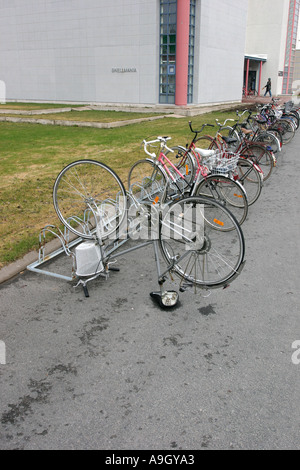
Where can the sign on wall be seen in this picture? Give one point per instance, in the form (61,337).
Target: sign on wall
(123,69)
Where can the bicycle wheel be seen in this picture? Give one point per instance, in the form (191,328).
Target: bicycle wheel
(88,194)
(147,181)
(277,134)
(250,178)
(207,142)
(192,240)
(270,139)
(296,117)
(184,162)
(286,129)
(228,192)
(293,117)
(261,156)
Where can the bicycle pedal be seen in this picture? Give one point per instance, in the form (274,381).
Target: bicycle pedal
(185,287)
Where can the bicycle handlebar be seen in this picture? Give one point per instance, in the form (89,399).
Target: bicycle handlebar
(162,141)
(221,125)
(198,132)
(245,111)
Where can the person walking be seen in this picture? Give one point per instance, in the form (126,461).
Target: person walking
(268,87)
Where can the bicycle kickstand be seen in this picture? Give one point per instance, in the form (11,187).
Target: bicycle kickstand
(165,298)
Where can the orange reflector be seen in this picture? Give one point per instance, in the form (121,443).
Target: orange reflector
(186,169)
(238,195)
(156,200)
(218,222)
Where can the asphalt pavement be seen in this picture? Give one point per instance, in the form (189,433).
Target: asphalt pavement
(115,372)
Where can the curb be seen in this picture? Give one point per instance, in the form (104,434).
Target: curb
(17,267)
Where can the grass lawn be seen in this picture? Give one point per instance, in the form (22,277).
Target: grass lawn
(32,155)
(36,106)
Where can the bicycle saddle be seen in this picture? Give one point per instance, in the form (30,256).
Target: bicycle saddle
(229,140)
(205,152)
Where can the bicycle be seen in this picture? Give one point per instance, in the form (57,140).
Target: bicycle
(288,112)
(261,155)
(247,173)
(257,130)
(250,92)
(186,180)
(191,233)
(252,129)
(274,119)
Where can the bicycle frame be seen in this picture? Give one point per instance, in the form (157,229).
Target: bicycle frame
(162,159)
(202,170)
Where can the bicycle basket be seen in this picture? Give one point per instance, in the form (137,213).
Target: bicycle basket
(288,106)
(222,163)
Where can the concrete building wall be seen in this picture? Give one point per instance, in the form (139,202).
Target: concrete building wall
(266,34)
(221,29)
(66,50)
(107,51)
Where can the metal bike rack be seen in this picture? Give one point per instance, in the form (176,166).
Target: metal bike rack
(164,298)
(66,246)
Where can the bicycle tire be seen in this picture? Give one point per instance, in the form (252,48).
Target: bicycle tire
(147,181)
(229,192)
(260,155)
(289,117)
(268,138)
(207,142)
(277,135)
(89,194)
(295,112)
(296,118)
(250,178)
(202,254)
(286,129)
